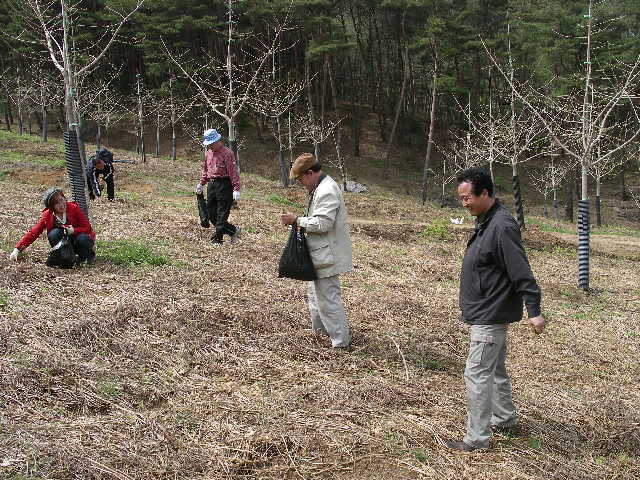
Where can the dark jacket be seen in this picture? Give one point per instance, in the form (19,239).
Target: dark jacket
(107,173)
(496,276)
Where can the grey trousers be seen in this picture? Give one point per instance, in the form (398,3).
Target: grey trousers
(489,401)
(327,312)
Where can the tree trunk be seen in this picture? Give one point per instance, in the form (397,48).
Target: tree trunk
(432,123)
(45,125)
(568,207)
(399,105)
(98,136)
(337,130)
(624,196)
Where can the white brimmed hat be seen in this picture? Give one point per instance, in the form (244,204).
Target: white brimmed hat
(211,136)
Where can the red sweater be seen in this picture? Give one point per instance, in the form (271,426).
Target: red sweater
(75,217)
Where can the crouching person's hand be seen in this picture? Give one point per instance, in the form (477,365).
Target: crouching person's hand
(14,255)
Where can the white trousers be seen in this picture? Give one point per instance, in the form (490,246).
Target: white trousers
(489,401)
(327,312)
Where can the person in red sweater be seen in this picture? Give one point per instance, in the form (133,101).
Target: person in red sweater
(59,216)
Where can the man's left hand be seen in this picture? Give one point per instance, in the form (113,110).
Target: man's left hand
(288,218)
(537,324)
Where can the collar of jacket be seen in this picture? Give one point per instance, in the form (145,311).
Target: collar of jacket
(482,222)
(322,177)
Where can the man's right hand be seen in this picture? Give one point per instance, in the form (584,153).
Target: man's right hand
(199,189)
(537,324)
(14,255)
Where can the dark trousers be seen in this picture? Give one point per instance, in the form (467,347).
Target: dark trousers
(108,181)
(219,202)
(82,243)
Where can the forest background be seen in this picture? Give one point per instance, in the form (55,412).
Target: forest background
(404,74)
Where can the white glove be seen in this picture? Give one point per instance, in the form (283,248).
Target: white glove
(14,255)
(236,195)
(199,189)
(69,229)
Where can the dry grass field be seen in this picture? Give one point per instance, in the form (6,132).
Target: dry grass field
(173,359)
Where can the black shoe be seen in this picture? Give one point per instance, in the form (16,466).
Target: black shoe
(512,430)
(461,446)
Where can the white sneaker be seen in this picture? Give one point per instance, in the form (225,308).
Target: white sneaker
(236,235)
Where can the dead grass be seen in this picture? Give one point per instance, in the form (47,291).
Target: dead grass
(206,367)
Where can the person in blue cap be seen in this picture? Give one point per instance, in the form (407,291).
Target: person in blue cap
(219,171)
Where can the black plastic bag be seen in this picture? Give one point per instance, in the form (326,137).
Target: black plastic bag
(295,261)
(62,255)
(203,211)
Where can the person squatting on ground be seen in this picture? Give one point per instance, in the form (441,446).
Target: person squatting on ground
(219,170)
(59,216)
(100,164)
(327,233)
(495,279)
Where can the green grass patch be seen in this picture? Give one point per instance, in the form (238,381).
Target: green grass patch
(616,230)
(275,198)
(438,230)
(174,192)
(25,137)
(109,389)
(4,173)
(16,158)
(4,300)
(549,226)
(130,253)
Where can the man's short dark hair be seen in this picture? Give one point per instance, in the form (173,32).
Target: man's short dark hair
(317,167)
(479,178)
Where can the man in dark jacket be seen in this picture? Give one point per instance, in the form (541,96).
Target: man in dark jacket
(100,164)
(495,280)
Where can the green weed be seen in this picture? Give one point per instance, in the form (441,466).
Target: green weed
(4,300)
(421,456)
(534,443)
(275,198)
(130,253)
(16,158)
(549,227)
(616,230)
(4,173)
(108,389)
(438,230)
(430,364)
(566,251)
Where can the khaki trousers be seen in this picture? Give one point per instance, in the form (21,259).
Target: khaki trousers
(327,312)
(489,401)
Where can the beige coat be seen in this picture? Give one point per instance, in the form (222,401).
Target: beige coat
(327,230)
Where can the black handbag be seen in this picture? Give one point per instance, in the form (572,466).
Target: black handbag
(203,211)
(63,254)
(295,261)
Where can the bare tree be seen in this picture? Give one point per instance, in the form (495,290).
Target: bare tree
(48,23)
(273,99)
(432,124)
(228,87)
(548,178)
(582,129)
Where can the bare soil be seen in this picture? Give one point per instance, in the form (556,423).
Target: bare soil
(206,367)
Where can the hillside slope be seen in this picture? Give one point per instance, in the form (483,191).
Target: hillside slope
(174,359)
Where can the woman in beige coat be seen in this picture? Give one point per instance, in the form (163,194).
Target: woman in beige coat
(330,247)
